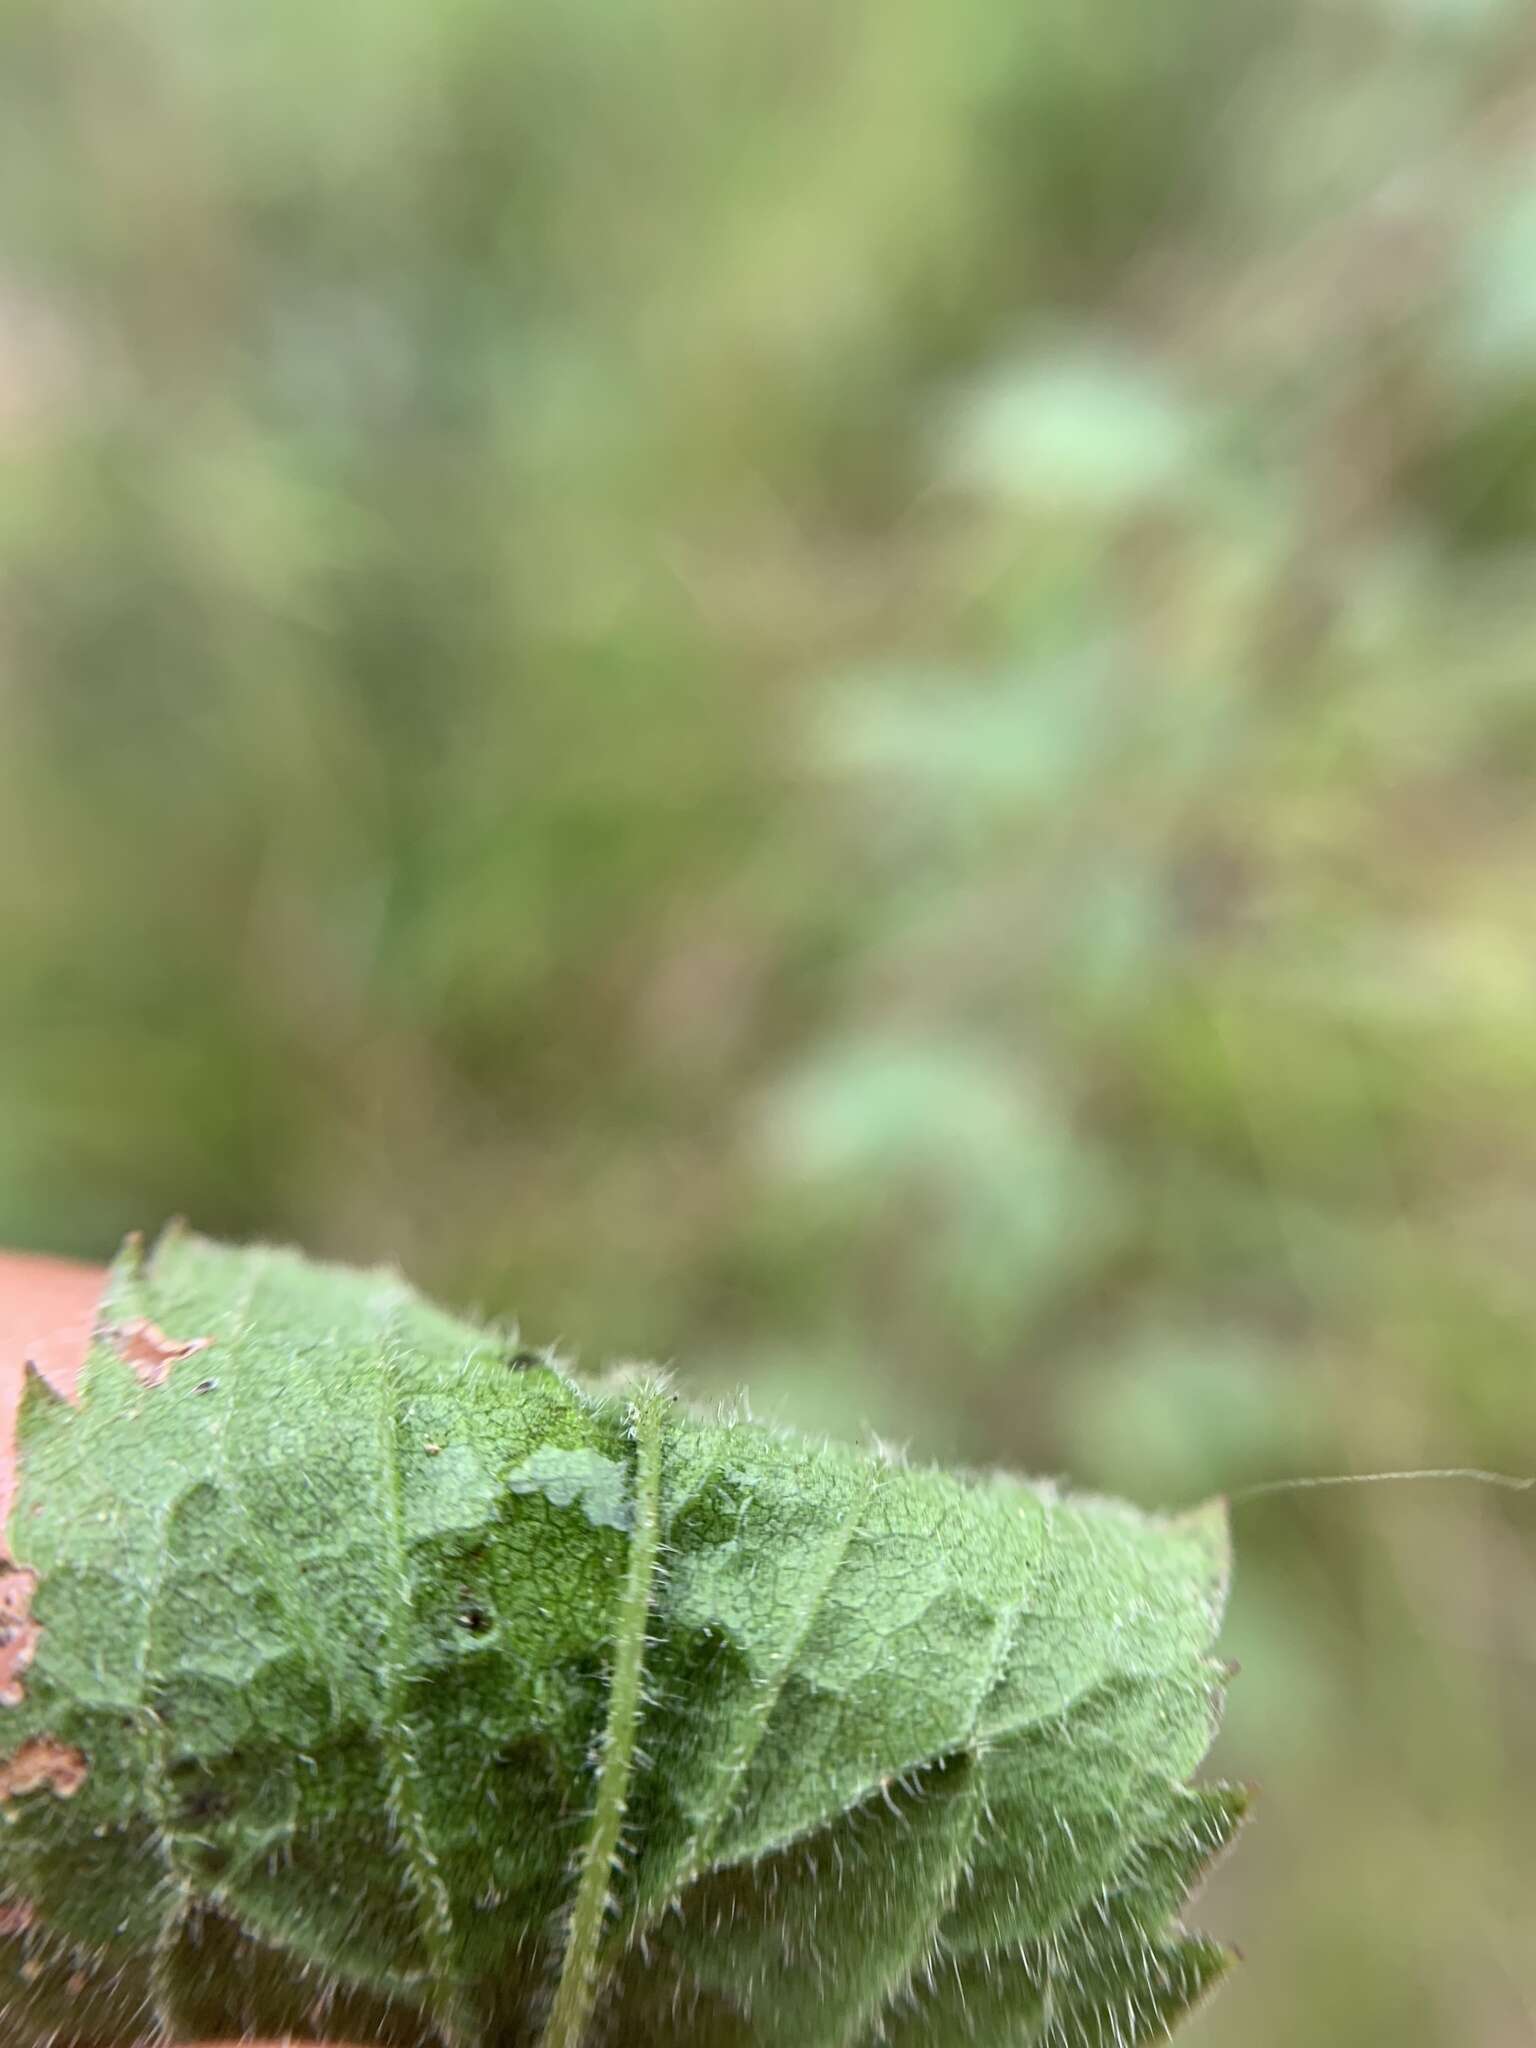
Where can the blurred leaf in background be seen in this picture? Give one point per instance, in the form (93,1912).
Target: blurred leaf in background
(846,695)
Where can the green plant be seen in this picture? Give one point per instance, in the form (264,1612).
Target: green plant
(381,1682)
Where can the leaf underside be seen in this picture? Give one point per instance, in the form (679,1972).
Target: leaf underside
(389,1689)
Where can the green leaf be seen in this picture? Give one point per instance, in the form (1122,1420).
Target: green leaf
(390,1688)
(1080,428)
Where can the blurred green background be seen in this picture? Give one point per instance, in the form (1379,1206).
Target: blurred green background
(846,694)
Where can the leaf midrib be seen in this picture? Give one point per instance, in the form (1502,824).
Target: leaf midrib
(435,1904)
(581,1966)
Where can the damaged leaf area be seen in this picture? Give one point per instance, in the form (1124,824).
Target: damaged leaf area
(43,1763)
(369,1691)
(18,1633)
(145,1346)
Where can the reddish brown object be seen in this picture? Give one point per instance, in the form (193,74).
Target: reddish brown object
(47,1308)
(18,1634)
(145,1346)
(44,1761)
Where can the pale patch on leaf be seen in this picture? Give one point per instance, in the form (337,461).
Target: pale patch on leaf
(577,1478)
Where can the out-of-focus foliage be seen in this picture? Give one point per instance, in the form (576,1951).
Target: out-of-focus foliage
(850,694)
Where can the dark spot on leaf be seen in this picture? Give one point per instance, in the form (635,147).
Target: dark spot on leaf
(476,1620)
(523,1360)
(208,1802)
(200,1796)
(205,1386)
(533,1759)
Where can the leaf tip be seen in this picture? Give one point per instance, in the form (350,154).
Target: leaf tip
(37,1389)
(174,1232)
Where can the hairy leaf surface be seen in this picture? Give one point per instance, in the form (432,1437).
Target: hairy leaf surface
(390,1687)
